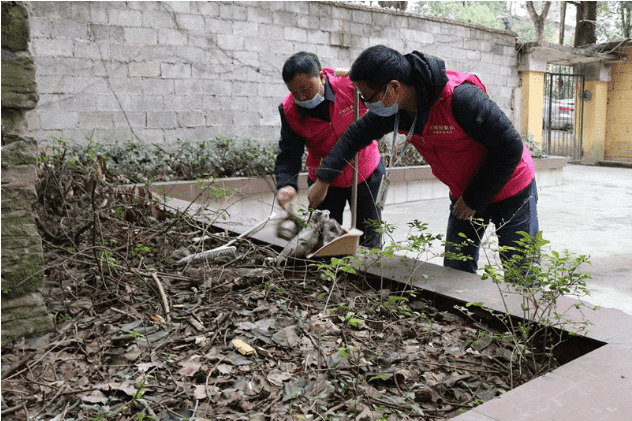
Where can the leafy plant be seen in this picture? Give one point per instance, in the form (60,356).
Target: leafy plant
(410,157)
(540,279)
(395,306)
(134,162)
(332,270)
(140,249)
(65,317)
(534,148)
(135,335)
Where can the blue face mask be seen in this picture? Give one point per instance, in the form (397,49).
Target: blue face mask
(379,108)
(311,103)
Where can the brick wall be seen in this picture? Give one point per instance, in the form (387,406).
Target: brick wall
(158,71)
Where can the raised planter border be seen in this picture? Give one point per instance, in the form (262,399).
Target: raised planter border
(254,196)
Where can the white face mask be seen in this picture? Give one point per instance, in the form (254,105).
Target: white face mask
(379,108)
(311,103)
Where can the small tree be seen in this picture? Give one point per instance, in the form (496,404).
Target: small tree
(538,20)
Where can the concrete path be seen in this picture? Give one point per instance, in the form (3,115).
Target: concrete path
(590,213)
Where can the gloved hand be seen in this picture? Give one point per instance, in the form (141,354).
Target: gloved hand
(285,195)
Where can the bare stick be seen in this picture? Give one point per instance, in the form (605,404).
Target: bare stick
(165,304)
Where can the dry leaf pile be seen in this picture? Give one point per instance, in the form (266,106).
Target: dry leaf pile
(139,337)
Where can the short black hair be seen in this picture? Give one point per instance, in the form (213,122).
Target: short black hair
(378,65)
(301,62)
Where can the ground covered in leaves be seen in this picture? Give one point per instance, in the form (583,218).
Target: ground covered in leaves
(140,336)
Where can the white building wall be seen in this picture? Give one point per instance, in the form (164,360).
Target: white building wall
(159,71)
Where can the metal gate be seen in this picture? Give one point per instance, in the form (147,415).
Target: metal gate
(563,113)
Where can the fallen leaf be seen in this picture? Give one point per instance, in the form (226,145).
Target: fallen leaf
(286,337)
(157,318)
(242,347)
(189,368)
(96,396)
(277,377)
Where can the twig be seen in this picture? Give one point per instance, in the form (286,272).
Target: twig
(208,394)
(10,410)
(17,366)
(334,408)
(277,399)
(50,400)
(26,411)
(165,304)
(121,312)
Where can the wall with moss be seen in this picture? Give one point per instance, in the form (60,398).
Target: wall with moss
(23,308)
(19,89)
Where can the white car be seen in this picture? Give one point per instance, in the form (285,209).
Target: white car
(562,114)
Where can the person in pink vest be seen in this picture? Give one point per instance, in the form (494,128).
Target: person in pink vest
(470,144)
(314,115)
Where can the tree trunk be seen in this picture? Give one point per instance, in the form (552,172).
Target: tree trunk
(399,5)
(538,20)
(626,13)
(562,22)
(585,33)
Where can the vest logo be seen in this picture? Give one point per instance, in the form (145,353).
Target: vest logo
(440,129)
(346,110)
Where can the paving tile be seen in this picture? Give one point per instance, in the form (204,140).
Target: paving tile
(606,368)
(624,338)
(556,398)
(607,323)
(472,415)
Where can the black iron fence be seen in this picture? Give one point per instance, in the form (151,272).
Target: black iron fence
(563,113)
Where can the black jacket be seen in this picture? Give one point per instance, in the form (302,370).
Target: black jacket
(473,110)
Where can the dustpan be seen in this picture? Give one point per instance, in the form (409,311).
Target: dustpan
(349,242)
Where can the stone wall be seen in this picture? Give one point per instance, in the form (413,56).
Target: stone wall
(19,90)
(23,309)
(159,71)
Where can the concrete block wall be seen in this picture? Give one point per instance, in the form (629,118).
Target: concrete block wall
(159,71)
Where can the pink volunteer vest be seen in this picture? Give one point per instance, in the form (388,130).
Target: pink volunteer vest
(321,136)
(454,156)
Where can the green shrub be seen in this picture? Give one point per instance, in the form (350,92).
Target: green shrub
(190,160)
(186,160)
(413,158)
(535,148)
